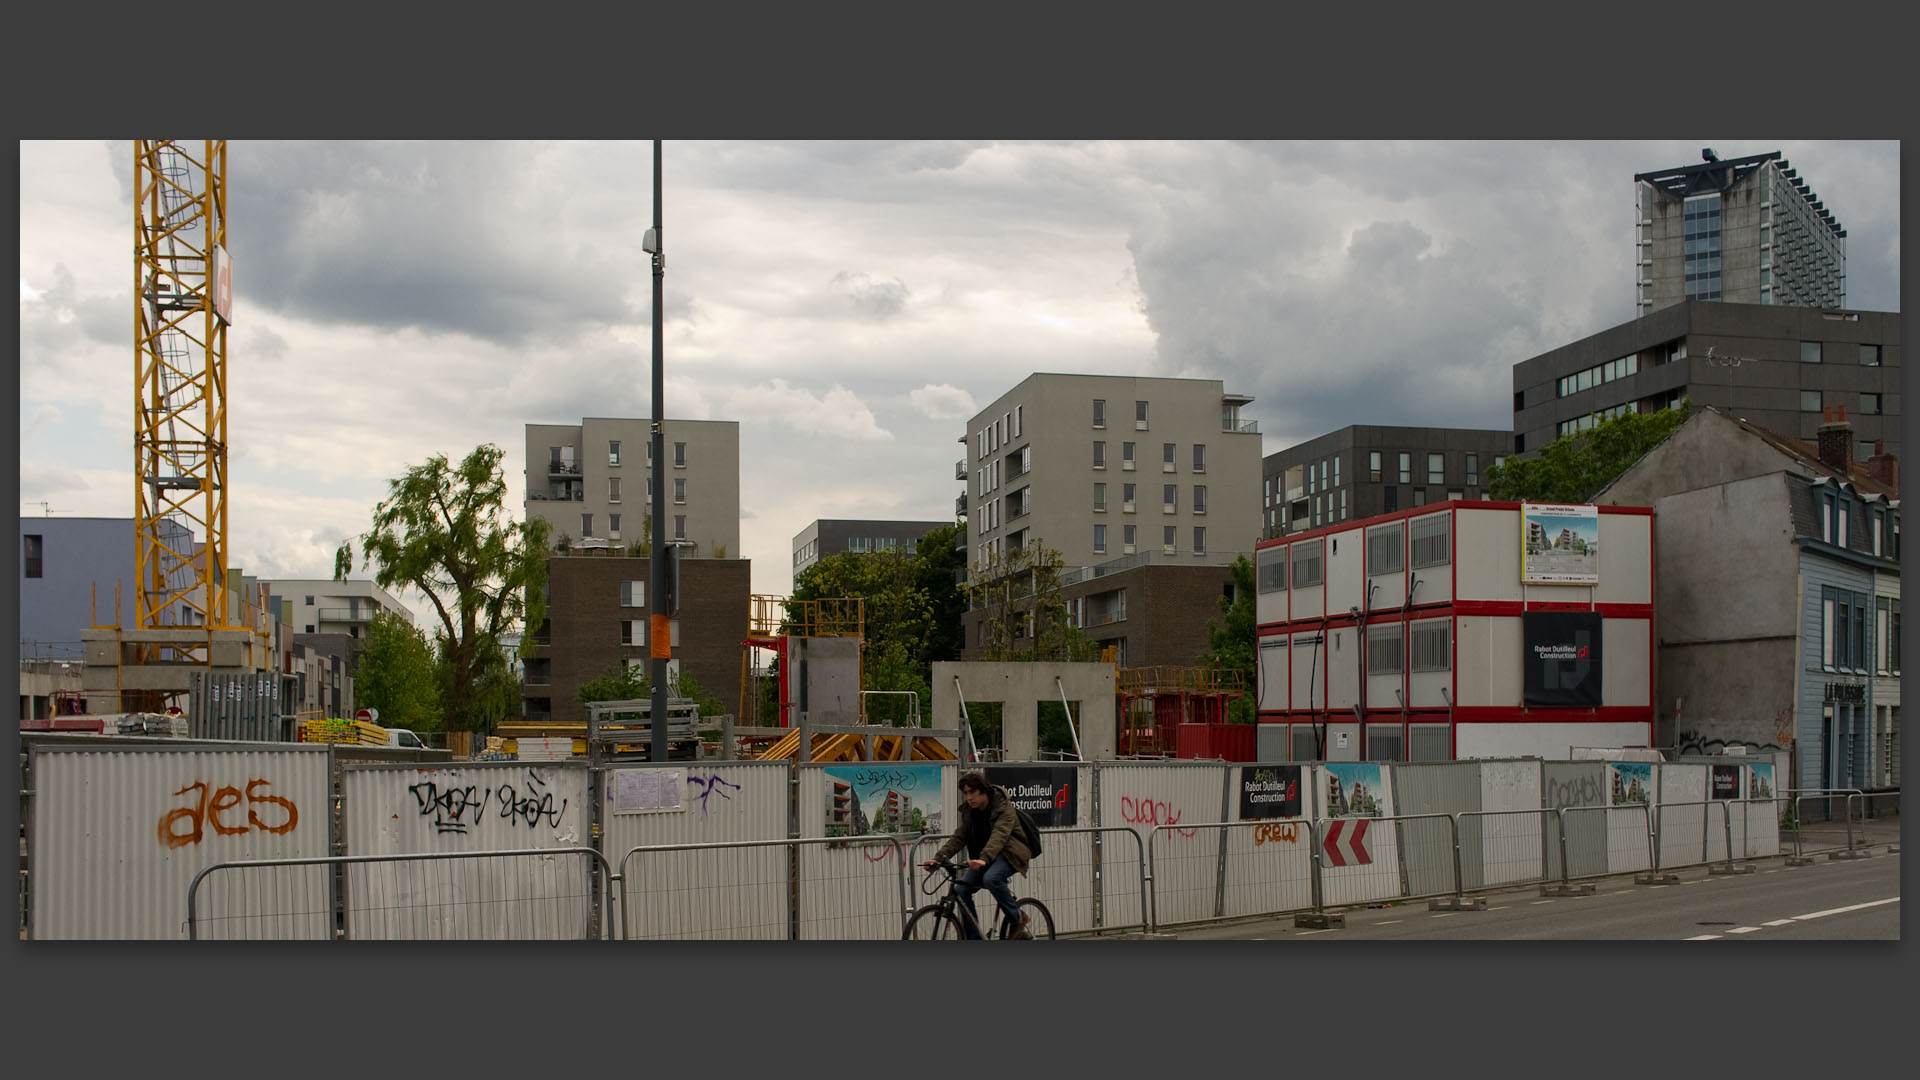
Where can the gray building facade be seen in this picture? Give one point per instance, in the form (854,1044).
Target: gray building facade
(70,569)
(831,536)
(1778,604)
(1360,471)
(1779,367)
(1747,230)
(593,481)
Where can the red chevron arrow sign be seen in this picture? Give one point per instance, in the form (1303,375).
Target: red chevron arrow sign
(1346,842)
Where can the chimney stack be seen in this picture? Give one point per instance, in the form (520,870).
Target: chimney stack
(1836,441)
(1885,467)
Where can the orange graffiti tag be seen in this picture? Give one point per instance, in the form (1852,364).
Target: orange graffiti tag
(184,825)
(1287,833)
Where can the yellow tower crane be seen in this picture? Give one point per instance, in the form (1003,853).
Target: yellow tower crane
(183,301)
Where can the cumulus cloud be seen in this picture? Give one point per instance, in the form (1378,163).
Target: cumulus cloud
(941,401)
(871,298)
(43,414)
(840,414)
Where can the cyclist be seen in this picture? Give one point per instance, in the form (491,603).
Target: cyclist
(996,848)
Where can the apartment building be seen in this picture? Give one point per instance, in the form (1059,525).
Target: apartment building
(593,482)
(72,573)
(824,537)
(1747,230)
(1362,470)
(1778,367)
(323,606)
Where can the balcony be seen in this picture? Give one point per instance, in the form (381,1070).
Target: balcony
(1241,427)
(960,469)
(345,615)
(563,468)
(960,505)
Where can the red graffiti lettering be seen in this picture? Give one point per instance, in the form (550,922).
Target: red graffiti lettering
(1151,812)
(207,806)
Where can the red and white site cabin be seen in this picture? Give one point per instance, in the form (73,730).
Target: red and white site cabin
(1458,630)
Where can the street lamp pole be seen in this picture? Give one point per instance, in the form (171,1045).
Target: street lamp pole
(660,636)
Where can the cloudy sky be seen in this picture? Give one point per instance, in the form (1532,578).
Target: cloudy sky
(851,304)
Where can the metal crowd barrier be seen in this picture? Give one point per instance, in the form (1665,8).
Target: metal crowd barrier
(840,893)
(393,908)
(1534,849)
(1801,795)
(1076,910)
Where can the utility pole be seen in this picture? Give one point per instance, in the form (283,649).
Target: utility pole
(661,638)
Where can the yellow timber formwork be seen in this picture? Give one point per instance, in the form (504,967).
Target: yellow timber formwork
(850,746)
(182,304)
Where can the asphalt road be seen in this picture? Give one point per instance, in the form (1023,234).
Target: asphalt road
(1839,900)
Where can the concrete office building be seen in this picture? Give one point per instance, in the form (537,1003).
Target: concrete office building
(72,572)
(824,537)
(592,481)
(1360,471)
(1746,231)
(1779,596)
(1778,367)
(345,608)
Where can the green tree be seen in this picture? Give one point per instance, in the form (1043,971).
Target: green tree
(1573,468)
(443,531)
(1231,646)
(618,683)
(1018,595)
(913,607)
(399,675)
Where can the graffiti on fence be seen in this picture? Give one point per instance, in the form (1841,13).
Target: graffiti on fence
(709,785)
(1271,833)
(455,809)
(1151,812)
(1584,790)
(208,806)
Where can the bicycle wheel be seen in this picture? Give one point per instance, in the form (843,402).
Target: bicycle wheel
(1035,916)
(932,924)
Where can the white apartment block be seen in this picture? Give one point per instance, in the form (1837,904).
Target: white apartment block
(322,606)
(593,482)
(1101,467)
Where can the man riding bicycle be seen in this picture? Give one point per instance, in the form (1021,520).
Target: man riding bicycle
(996,848)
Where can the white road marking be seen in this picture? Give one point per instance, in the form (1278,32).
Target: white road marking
(1705,937)
(1444,915)
(1843,910)
(1780,922)
(1502,907)
(1537,903)
(1309,933)
(1388,922)
(1744,930)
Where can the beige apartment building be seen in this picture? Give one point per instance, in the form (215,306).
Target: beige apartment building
(592,481)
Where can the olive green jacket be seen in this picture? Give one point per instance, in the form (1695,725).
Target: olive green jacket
(1004,837)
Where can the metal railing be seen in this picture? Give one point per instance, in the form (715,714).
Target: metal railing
(1515,850)
(1082,882)
(1801,795)
(1254,893)
(420,908)
(689,892)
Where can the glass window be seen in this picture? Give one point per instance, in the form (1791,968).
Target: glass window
(1305,563)
(1384,649)
(633,594)
(1100,539)
(613,526)
(1430,647)
(679,526)
(1436,468)
(1406,468)
(1126,455)
(1199,498)
(1169,497)
(1373,466)
(613,489)
(1126,536)
(1199,540)
(679,489)
(679,455)
(1199,457)
(1809,401)
(33,549)
(1870,404)
(1390,499)
(1099,454)
(1126,498)
(1336,471)
(1870,355)
(1167,455)
(1809,352)
(1099,413)
(1419,496)
(1270,566)
(1169,540)
(1473,470)
(613,451)
(1385,553)
(1139,412)
(1429,541)
(586,524)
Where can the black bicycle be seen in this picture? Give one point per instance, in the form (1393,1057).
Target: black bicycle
(948,919)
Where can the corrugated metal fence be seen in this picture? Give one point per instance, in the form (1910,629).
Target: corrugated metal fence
(117,832)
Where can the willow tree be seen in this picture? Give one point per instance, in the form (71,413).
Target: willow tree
(443,531)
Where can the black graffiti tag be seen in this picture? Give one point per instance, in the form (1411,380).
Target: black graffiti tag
(530,808)
(449,807)
(898,779)
(708,785)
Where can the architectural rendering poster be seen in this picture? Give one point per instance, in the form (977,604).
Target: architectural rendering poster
(1632,782)
(1725,782)
(1559,544)
(882,797)
(1353,790)
(1269,791)
(1760,781)
(1562,663)
(1045,791)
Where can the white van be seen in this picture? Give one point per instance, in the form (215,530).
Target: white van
(399,736)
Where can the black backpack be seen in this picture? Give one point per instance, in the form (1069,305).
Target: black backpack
(1031,828)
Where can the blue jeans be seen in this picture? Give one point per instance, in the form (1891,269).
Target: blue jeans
(994,877)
